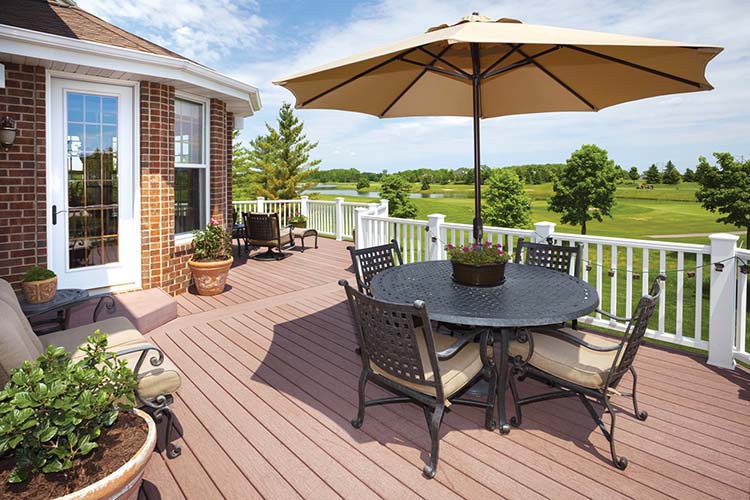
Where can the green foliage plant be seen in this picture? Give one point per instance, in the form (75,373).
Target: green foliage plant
(396,190)
(586,188)
(296,218)
(53,410)
(670,175)
(505,203)
(477,254)
(652,175)
(37,274)
(634,174)
(725,188)
(212,244)
(363,183)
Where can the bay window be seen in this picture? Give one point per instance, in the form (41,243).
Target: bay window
(191,166)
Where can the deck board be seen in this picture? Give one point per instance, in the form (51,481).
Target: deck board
(269,389)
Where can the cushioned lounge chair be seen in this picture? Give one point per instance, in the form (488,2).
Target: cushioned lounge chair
(264,230)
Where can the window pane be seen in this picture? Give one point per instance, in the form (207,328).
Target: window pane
(189,205)
(188,132)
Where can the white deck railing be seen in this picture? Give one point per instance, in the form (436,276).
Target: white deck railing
(702,307)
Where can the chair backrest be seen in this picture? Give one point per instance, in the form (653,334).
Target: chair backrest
(18,342)
(557,257)
(261,226)
(367,262)
(390,339)
(635,332)
(234,216)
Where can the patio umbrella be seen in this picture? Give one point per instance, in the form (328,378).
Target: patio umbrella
(484,68)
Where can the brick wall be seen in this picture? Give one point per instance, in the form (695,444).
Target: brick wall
(164,263)
(22,173)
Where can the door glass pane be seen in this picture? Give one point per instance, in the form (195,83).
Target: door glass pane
(91,160)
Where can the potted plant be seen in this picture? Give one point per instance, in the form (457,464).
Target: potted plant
(297,220)
(68,428)
(212,258)
(38,285)
(478,264)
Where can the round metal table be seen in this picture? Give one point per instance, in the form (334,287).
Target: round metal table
(531,296)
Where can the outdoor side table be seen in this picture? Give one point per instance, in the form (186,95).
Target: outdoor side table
(531,296)
(61,304)
(305,232)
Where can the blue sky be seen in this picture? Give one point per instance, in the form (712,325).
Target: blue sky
(258,41)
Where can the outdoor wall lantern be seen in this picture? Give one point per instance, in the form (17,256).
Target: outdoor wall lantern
(719,267)
(744,268)
(7,132)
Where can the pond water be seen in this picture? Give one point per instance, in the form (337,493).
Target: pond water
(333,190)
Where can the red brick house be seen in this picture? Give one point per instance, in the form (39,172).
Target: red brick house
(122,149)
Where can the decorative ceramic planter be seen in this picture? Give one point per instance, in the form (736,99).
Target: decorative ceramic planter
(301,225)
(473,275)
(39,292)
(125,482)
(210,277)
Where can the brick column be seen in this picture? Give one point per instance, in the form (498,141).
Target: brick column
(230,129)
(157,182)
(23,207)
(219,159)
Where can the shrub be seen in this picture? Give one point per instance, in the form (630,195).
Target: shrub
(477,254)
(396,190)
(53,410)
(296,218)
(37,274)
(212,243)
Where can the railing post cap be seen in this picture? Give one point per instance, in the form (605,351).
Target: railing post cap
(303,197)
(339,198)
(723,237)
(436,216)
(545,223)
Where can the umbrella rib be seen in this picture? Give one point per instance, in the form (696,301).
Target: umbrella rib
(560,82)
(634,65)
(414,82)
(359,75)
(529,60)
(430,67)
(503,58)
(447,63)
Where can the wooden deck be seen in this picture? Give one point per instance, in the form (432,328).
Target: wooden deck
(270,386)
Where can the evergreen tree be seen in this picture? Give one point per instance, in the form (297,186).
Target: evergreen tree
(396,190)
(689,175)
(244,182)
(634,174)
(425,184)
(505,203)
(586,188)
(671,175)
(725,189)
(281,158)
(652,175)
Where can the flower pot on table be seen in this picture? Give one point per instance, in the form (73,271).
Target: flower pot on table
(479,275)
(39,292)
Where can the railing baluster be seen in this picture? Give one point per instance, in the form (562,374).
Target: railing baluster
(613,281)
(644,276)
(585,262)
(680,295)
(663,301)
(698,296)
(599,251)
(628,282)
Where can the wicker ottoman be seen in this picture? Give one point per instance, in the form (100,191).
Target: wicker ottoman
(304,232)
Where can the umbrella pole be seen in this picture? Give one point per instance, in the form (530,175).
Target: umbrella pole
(477,98)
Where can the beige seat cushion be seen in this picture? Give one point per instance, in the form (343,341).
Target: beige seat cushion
(15,344)
(152,380)
(567,361)
(30,339)
(286,238)
(455,373)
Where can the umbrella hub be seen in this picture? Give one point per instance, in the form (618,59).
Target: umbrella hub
(475,17)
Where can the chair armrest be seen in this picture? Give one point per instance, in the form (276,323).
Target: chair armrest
(572,339)
(461,342)
(612,316)
(155,360)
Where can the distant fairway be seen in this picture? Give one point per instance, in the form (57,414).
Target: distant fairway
(638,213)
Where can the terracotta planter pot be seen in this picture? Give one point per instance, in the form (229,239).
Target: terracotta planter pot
(39,292)
(210,277)
(484,275)
(124,483)
(301,225)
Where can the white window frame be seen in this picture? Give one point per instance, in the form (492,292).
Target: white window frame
(187,237)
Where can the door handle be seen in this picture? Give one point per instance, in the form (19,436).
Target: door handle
(55,211)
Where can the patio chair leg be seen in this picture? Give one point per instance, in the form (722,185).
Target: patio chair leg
(433,422)
(515,420)
(620,462)
(173,451)
(490,423)
(357,422)
(640,415)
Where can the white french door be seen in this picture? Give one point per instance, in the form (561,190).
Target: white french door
(93,238)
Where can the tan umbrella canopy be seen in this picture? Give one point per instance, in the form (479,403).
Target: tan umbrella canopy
(484,68)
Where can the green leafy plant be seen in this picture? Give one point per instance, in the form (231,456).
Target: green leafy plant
(53,410)
(296,218)
(477,254)
(212,243)
(37,274)
(504,201)
(397,190)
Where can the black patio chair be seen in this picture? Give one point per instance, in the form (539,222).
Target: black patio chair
(264,230)
(401,354)
(556,257)
(584,365)
(368,262)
